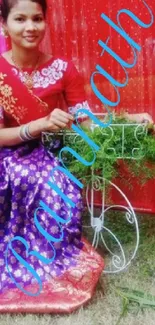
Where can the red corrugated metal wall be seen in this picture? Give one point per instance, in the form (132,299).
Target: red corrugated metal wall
(75,28)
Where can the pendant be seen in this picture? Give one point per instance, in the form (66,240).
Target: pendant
(29,83)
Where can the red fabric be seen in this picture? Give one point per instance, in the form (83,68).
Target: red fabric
(63,294)
(67,88)
(12,92)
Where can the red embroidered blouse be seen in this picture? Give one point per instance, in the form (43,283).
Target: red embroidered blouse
(58,83)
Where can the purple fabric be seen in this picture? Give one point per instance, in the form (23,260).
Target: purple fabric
(24,173)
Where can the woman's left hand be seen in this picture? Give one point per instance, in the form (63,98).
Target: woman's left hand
(140,118)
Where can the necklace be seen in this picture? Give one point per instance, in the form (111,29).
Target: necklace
(28,77)
(29,84)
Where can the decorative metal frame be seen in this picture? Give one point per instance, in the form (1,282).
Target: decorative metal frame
(119,261)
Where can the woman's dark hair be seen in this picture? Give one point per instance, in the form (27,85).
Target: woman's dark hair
(6,5)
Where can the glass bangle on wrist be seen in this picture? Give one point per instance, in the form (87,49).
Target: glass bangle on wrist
(24,133)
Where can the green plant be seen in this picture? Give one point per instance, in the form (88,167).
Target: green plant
(107,163)
(129,296)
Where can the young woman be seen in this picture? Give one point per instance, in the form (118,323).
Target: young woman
(31,86)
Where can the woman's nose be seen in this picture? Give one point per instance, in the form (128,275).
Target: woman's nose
(30,25)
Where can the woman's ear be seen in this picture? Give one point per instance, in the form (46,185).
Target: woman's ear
(4,31)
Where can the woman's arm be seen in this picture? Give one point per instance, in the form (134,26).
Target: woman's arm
(11,136)
(53,122)
(135,118)
(139,117)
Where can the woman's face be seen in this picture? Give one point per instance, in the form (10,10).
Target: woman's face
(26,24)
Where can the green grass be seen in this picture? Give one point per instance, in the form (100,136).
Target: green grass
(117,223)
(141,274)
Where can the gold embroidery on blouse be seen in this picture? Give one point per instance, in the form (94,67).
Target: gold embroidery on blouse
(43,106)
(8,101)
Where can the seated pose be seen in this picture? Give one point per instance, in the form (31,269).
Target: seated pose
(31,86)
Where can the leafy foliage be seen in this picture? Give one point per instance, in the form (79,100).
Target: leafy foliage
(141,148)
(130,296)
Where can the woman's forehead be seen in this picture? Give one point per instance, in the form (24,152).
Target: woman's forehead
(26,7)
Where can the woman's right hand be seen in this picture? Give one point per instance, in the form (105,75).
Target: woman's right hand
(57,120)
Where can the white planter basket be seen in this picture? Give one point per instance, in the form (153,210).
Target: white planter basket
(119,261)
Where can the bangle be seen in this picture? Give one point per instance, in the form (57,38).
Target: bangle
(28,135)
(21,133)
(24,133)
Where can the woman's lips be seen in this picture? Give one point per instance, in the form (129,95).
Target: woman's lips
(30,38)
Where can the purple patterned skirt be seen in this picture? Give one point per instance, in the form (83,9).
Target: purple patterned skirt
(24,173)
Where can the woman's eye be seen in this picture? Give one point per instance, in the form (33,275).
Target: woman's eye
(37,19)
(19,19)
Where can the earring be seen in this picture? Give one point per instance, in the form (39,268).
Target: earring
(4,32)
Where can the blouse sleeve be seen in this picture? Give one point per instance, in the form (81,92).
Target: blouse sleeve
(74,92)
(1,115)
